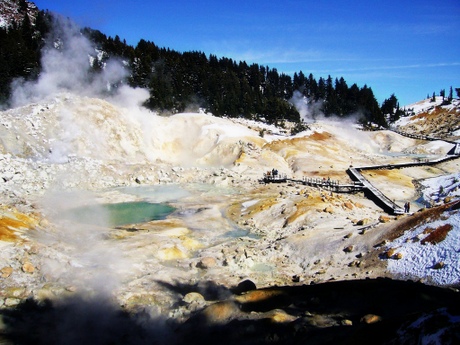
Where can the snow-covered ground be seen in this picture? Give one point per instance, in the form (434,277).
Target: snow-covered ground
(419,260)
(427,105)
(437,189)
(434,263)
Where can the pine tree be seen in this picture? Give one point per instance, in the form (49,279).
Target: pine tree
(321,93)
(451,95)
(442,93)
(299,81)
(312,87)
(389,107)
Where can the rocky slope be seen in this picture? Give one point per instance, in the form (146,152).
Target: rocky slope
(438,119)
(229,234)
(10,11)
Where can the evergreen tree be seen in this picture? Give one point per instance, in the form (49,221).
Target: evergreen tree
(451,95)
(23,6)
(331,106)
(390,108)
(370,107)
(312,87)
(20,51)
(299,81)
(321,93)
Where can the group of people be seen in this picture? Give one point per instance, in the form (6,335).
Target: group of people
(407,207)
(272,173)
(328,181)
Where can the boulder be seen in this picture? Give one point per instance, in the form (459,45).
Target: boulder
(348,249)
(398,256)
(220,313)
(438,265)
(384,219)
(244,286)
(280,316)
(6,272)
(28,267)
(206,262)
(370,319)
(348,205)
(11,302)
(363,221)
(329,209)
(193,297)
(389,253)
(261,296)
(346,322)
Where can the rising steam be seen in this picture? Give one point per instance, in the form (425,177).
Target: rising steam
(91,262)
(309,110)
(66,66)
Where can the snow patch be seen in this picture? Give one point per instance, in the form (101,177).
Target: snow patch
(419,260)
(437,189)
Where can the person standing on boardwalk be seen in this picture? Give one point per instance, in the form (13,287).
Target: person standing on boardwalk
(407,207)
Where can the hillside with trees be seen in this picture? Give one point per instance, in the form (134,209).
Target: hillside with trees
(179,81)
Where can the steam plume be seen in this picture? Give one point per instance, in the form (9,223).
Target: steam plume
(309,111)
(66,66)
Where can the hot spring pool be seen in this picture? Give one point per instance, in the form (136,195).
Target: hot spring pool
(113,215)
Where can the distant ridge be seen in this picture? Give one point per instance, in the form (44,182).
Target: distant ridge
(436,119)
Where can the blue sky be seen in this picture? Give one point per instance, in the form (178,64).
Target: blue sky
(406,47)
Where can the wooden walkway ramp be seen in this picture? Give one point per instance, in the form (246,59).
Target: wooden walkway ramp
(455,150)
(360,183)
(375,194)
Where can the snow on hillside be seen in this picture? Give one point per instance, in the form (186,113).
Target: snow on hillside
(436,190)
(436,263)
(427,105)
(434,119)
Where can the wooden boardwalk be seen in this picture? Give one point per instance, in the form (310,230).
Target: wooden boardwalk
(270,178)
(331,185)
(455,150)
(375,194)
(360,183)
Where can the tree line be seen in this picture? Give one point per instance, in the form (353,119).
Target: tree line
(445,99)
(179,80)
